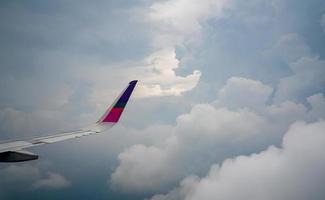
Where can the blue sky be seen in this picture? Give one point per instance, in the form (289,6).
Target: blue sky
(230,92)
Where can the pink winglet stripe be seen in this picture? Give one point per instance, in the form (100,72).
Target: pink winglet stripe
(114,115)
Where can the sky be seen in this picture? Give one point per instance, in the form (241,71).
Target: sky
(230,101)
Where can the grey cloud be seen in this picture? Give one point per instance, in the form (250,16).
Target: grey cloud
(240,92)
(307,79)
(317,103)
(289,47)
(31,177)
(322,22)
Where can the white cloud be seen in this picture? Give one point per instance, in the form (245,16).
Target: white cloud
(159,77)
(53,181)
(186,188)
(155,72)
(135,174)
(294,171)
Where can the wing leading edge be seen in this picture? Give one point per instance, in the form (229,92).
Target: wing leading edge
(13,151)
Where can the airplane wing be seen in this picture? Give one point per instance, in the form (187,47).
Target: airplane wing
(14,151)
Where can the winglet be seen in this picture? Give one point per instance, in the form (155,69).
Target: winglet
(114,113)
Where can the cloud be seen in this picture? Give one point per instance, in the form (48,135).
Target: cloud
(307,78)
(18,174)
(135,173)
(322,22)
(159,77)
(73,71)
(210,133)
(317,103)
(53,181)
(29,176)
(172,27)
(220,79)
(172,16)
(289,47)
(293,171)
(242,92)
(186,188)
(16,123)
(307,71)
(204,132)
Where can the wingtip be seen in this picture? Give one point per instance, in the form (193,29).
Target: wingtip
(115,111)
(133,82)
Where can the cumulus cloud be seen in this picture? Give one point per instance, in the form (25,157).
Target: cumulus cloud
(204,132)
(53,181)
(135,173)
(210,133)
(159,77)
(172,26)
(293,171)
(186,188)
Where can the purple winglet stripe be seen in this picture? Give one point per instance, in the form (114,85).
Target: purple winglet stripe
(126,95)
